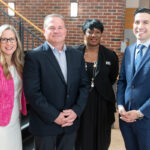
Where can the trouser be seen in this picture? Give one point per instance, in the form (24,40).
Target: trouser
(60,142)
(135,136)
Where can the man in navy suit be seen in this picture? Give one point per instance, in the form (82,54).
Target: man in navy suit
(133,94)
(56,86)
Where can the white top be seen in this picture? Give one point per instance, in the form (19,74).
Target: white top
(17,94)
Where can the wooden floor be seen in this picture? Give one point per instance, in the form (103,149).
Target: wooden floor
(116,140)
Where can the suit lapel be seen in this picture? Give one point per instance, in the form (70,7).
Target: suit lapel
(145,58)
(53,62)
(100,63)
(132,57)
(68,58)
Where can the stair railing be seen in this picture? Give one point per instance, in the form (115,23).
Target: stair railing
(28,38)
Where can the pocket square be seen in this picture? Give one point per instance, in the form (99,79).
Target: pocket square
(108,63)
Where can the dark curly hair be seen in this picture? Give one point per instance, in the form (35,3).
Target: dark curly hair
(91,24)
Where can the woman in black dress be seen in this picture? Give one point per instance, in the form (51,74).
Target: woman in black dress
(102,67)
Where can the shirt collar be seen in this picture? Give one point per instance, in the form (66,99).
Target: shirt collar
(146,44)
(54,49)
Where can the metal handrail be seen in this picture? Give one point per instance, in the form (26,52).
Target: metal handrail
(21,16)
(28,39)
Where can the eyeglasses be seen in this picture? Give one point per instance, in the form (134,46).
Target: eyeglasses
(5,40)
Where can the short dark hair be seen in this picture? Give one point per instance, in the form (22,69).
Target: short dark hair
(142,10)
(91,24)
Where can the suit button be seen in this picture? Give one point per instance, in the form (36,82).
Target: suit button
(132,86)
(129,100)
(67,95)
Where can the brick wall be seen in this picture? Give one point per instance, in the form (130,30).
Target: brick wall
(110,12)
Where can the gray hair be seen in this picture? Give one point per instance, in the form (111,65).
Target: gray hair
(46,19)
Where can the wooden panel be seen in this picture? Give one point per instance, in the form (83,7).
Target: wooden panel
(129,18)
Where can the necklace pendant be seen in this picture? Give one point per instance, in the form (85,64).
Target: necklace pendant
(92,84)
(94,65)
(85,66)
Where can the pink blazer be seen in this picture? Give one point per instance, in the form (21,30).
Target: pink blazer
(7,99)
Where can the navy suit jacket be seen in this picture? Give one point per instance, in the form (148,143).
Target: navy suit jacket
(48,93)
(134,87)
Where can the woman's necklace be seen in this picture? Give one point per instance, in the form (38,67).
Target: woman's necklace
(91,55)
(93,73)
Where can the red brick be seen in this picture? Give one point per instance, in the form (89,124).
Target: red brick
(110,12)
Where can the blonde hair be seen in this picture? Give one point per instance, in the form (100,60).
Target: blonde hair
(17,57)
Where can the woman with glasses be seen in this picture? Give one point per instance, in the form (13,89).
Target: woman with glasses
(101,65)
(12,99)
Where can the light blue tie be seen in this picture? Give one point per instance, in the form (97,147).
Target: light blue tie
(138,56)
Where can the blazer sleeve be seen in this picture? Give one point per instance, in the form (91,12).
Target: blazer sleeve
(145,108)
(31,85)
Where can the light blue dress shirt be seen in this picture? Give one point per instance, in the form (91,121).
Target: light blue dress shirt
(61,59)
(146,44)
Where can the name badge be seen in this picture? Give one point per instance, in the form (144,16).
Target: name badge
(108,63)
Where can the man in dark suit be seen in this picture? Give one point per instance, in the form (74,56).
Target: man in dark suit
(133,95)
(56,86)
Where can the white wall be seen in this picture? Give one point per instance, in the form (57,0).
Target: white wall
(132,3)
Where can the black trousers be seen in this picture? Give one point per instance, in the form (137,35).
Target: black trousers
(60,142)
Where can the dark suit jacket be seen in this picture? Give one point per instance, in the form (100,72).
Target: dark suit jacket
(47,92)
(106,72)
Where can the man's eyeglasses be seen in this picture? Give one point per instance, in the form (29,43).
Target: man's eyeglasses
(5,40)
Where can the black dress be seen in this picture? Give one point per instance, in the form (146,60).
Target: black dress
(94,132)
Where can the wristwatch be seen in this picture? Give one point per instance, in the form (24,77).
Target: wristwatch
(139,114)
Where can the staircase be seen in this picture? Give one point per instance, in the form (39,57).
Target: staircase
(29,36)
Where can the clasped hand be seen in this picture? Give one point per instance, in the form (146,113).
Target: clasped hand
(128,116)
(66,118)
